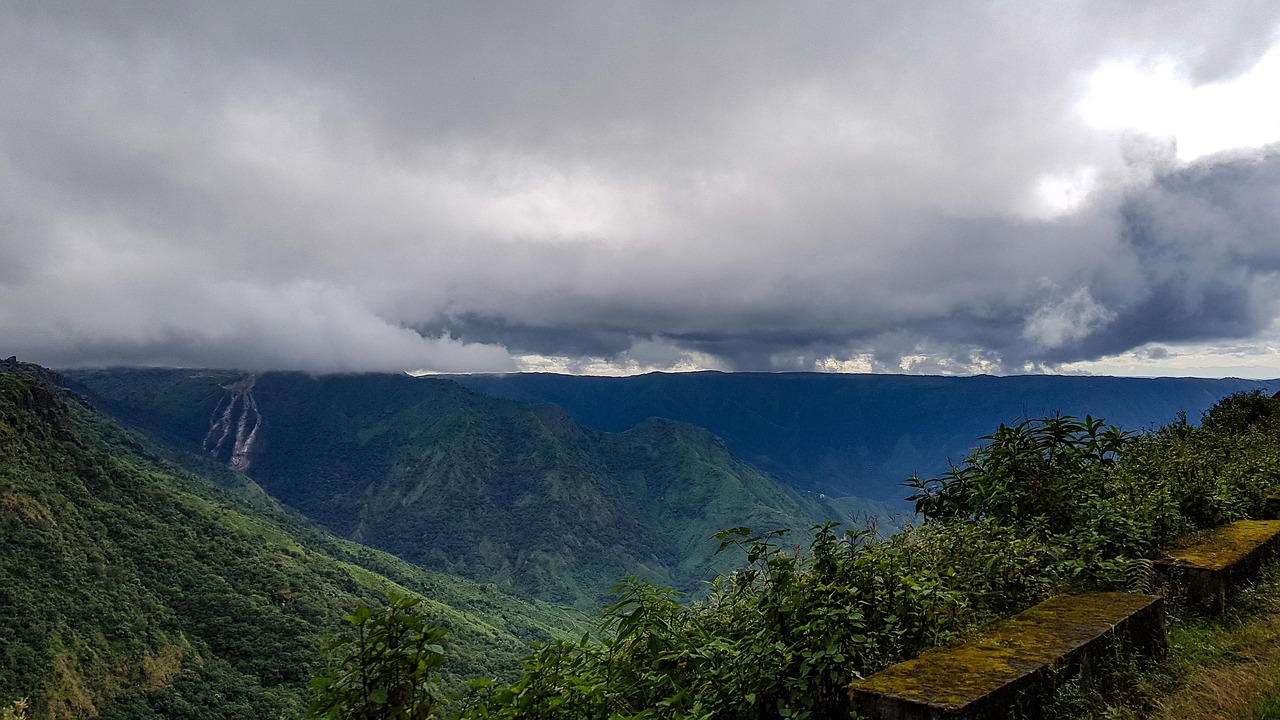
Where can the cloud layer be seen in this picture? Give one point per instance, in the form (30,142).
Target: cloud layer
(463,187)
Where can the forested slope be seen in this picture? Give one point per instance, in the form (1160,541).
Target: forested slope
(495,490)
(131,589)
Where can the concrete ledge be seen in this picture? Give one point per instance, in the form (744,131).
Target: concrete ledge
(1015,664)
(1271,507)
(1205,571)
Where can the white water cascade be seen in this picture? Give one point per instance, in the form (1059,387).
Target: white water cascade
(240,413)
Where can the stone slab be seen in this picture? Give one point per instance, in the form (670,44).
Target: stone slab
(1271,507)
(1205,571)
(1014,665)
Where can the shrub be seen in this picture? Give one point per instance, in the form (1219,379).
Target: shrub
(384,669)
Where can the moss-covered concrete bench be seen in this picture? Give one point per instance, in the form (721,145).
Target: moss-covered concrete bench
(1014,665)
(1206,570)
(1271,506)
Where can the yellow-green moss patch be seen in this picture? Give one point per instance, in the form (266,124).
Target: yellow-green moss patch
(1041,637)
(1226,545)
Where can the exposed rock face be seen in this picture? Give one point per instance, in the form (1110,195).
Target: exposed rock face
(40,397)
(233,429)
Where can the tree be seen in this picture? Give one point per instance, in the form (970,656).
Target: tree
(384,669)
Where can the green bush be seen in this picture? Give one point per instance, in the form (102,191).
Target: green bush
(384,669)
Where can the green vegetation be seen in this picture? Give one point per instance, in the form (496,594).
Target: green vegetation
(385,669)
(131,589)
(17,710)
(501,492)
(1046,506)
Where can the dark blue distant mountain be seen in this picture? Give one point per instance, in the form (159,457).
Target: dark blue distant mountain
(858,434)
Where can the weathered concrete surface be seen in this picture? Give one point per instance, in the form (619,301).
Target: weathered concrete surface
(1205,571)
(1015,665)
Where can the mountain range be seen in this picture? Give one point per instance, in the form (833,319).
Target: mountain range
(499,491)
(859,435)
(191,565)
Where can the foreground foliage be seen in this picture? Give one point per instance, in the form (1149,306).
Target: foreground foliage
(1046,506)
(385,668)
(17,710)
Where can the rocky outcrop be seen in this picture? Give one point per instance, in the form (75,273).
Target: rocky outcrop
(233,429)
(40,397)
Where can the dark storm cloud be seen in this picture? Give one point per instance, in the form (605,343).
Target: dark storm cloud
(1193,256)
(452,186)
(1204,245)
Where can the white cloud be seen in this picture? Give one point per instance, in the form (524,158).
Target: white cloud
(643,356)
(1063,193)
(1069,320)
(861,364)
(1160,98)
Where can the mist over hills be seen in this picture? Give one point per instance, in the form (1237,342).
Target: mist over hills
(857,434)
(498,491)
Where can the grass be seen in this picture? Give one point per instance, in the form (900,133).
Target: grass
(1229,667)
(1218,668)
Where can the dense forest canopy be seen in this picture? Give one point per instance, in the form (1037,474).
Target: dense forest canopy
(504,492)
(132,589)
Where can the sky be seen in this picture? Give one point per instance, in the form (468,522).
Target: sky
(618,187)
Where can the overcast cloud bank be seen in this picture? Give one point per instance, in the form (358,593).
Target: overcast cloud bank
(621,187)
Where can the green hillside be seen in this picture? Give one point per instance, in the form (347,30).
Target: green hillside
(499,491)
(132,589)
